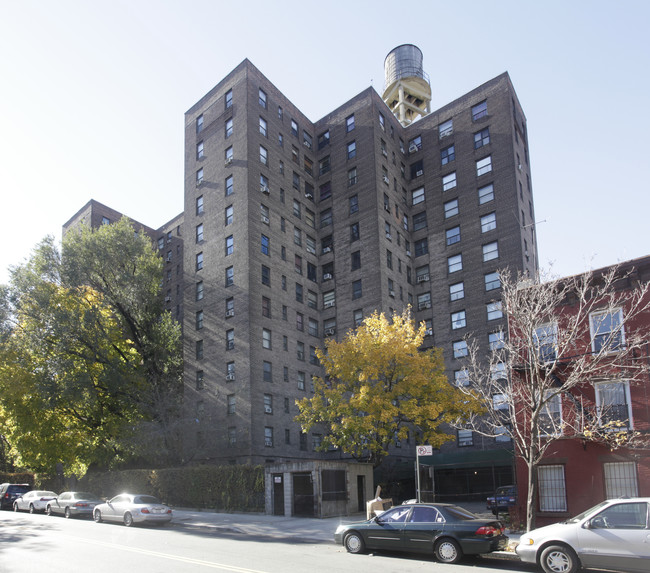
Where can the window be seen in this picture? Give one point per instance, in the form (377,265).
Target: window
(458,320)
(457,291)
(268,437)
(232,436)
(613,404)
(453,235)
(266,339)
(424,301)
(229,185)
(323,140)
(312,299)
(312,327)
(313,359)
(550,417)
(230,245)
(264,155)
(460,349)
(310,218)
(451,208)
(461,377)
(297,209)
(199,261)
(199,205)
(545,340)
(446,128)
(266,275)
(552,488)
(415,144)
(465,438)
(389,259)
(230,339)
(352,149)
(228,128)
(421,247)
(449,181)
(417,196)
(488,222)
(486,194)
(299,292)
(354,204)
(325,190)
(490,251)
(199,181)
(607,333)
(354,232)
(494,310)
(357,317)
(230,276)
(479,110)
(349,123)
(484,165)
(357,291)
(355,260)
(420,221)
(496,340)
(228,99)
(326,218)
(492,281)
(280,113)
(447,155)
(199,233)
(199,349)
(262,98)
(621,481)
(455,263)
(199,150)
(199,291)
(231,404)
(308,165)
(267,371)
(298,264)
(481,138)
(324,165)
(266,307)
(199,320)
(294,128)
(265,245)
(199,124)
(199,379)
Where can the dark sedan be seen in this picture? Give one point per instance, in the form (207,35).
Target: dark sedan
(73,503)
(446,530)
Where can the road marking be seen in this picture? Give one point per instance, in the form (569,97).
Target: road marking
(171,557)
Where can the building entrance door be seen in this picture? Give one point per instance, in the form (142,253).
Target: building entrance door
(278,494)
(303,495)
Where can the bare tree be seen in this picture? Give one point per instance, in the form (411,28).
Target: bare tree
(564,337)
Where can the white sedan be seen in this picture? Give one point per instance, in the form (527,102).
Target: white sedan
(614,534)
(129,509)
(35,500)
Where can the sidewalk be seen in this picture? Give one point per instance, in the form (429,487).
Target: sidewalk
(289,529)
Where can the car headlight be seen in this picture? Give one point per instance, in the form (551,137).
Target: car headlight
(527,541)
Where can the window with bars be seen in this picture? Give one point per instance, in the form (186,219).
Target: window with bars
(552,488)
(620,480)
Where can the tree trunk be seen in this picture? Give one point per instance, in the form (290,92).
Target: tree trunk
(531,501)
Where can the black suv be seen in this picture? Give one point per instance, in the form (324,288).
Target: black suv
(10,491)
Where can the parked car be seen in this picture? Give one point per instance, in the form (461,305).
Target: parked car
(73,503)
(10,491)
(448,531)
(611,535)
(506,496)
(129,509)
(32,501)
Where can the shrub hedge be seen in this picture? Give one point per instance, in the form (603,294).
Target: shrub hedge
(220,488)
(17,477)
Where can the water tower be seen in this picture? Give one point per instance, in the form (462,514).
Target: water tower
(407,92)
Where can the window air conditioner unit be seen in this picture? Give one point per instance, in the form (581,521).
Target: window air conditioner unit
(268,410)
(229,160)
(265,219)
(387,208)
(391,293)
(423,278)
(408,253)
(230,312)
(307,144)
(419,173)
(329,304)
(413,148)
(389,236)
(386,180)
(230,377)
(311,250)
(230,345)
(327,276)
(199,182)
(168,299)
(301,355)
(327,249)
(424,305)
(264,189)
(309,195)
(268,443)
(330,331)
(428,332)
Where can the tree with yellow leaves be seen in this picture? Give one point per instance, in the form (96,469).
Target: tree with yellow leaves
(380,388)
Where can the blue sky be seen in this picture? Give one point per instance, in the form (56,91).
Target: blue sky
(93,95)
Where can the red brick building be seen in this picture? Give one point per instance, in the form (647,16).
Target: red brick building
(576,472)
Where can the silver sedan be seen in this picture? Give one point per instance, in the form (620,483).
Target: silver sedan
(614,534)
(130,509)
(73,503)
(32,501)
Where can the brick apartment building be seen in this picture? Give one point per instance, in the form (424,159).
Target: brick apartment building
(293,231)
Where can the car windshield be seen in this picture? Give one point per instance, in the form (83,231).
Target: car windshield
(584,514)
(459,512)
(146,499)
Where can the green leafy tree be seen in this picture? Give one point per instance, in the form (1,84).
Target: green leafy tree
(379,387)
(88,357)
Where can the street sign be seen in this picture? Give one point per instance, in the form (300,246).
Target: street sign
(425,450)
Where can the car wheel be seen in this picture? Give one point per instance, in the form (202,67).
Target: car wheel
(97,516)
(354,543)
(128,519)
(448,551)
(559,559)
(67,513)
(31,508)
(15,507)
